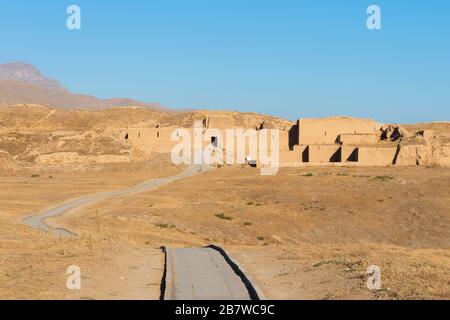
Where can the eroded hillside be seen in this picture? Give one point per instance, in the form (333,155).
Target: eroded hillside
(37,137)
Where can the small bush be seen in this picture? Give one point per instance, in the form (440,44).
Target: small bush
(35,175)
(260,238)
(308,174)
(223,216)
(165,225)
(383,178)
(247,223)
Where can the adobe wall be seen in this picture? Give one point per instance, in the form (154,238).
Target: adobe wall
(444,160)
(322,153)
(326,131)
(151,140)
(290,158)
(371,156)
(424,154)
(284,140)
(358,139)
(407,155)
(154,140)
(349,153)
(320,141)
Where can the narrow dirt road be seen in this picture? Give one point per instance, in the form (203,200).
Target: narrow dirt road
(37,220)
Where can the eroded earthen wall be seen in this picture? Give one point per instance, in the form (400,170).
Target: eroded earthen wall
(326,131)
(374,156)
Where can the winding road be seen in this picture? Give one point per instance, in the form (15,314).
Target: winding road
(190,273)
(37,220)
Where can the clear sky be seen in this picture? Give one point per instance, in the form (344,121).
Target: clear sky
(290,58)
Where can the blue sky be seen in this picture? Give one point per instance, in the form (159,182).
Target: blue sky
(289,58)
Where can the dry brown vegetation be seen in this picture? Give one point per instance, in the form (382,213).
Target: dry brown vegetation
(33,263)
(311,236)
(304,233)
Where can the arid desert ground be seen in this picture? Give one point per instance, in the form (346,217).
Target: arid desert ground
(305,233)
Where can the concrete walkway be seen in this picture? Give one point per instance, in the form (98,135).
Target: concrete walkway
(37,220)
(201,274)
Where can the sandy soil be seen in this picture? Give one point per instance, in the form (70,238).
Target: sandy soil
(311,237)
(33,264)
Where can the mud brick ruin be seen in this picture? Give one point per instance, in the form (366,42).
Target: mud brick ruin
(313,142)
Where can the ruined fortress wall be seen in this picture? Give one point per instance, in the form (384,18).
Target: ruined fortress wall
(370,156)
(151,140)
(326,131)
(154,140)
(407,155)
(322,153)
(232,144)
(284,141)
(290,158)
(349,153)
(320,141)
(358,139)
(445,156)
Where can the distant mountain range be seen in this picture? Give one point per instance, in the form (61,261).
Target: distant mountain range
(23,83)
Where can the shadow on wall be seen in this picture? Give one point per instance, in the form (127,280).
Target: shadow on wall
(293,136)
(354,156)
(337,156)
(305,154)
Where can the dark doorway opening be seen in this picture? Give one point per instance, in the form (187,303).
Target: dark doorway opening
(293,137)
(214,141)
(305,155)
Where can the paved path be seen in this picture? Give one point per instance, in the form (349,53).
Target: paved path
(37,220)
(201,274)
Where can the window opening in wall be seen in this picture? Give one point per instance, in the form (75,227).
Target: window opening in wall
(214,141)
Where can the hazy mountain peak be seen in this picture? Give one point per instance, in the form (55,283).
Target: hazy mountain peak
(25,72)
(23,83)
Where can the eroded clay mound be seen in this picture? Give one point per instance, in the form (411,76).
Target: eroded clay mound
(60,158)
(421,144)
